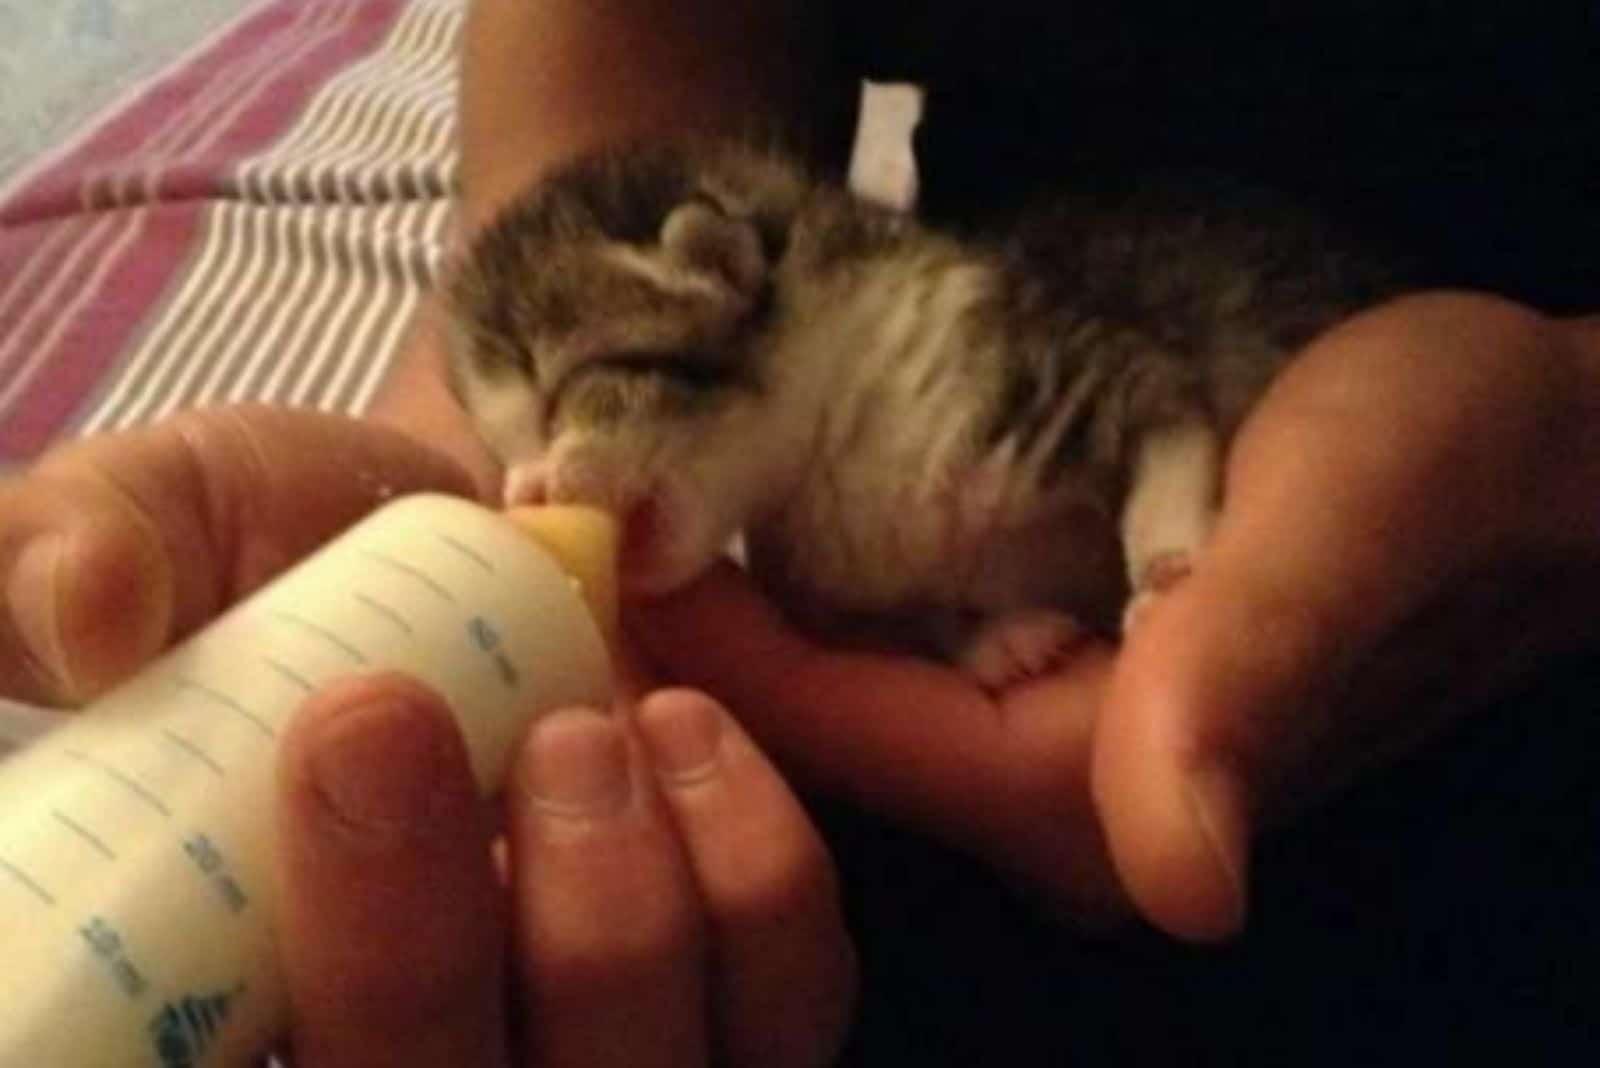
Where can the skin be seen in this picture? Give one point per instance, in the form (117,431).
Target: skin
(648,903)
(139,539)
(539,85)
(1360,550)
(1392,513)
(637,919)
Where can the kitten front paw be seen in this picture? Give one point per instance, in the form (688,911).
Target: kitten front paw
(1012,649)
(1159,574)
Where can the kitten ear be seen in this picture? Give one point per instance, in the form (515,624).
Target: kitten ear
(699,236)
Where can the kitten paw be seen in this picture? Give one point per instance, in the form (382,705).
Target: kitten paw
(1014,648)
(1160,573)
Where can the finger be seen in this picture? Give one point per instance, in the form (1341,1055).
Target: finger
(608,935)
(801,700)
(88,591)
(389,920)
(1367,484)
(117,544)
(784,965)
(906,737)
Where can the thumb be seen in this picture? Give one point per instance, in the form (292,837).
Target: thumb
(1214,705)
(388,922)
(116,545)
(1369,483)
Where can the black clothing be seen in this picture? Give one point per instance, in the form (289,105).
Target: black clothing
(1448,910)
(1463,132)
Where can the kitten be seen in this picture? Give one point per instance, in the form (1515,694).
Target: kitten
(992,441)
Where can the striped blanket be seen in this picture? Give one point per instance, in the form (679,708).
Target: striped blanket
(256,223)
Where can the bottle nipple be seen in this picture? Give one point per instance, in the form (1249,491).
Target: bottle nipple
(585,543)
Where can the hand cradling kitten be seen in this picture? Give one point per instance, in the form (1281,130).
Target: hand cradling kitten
(986,444)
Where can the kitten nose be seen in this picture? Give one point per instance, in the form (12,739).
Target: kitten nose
(526,484)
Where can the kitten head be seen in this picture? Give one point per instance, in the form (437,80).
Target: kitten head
(607,339)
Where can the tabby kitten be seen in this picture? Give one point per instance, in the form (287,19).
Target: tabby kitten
(990,442)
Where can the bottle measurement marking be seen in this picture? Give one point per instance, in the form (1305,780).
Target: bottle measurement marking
(105,942)
(123,779)
(466,550)
(289,674)
(94,840)
(486,638)
(213,867)
(182,1031)
(328,636)
(400,622)
(411,571)
(191,749)
(27,882)
(216,696)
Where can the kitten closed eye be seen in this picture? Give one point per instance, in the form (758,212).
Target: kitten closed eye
(695,369)
(610,390)
(911,425)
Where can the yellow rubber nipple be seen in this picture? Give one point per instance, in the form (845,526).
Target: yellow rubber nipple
(585,542)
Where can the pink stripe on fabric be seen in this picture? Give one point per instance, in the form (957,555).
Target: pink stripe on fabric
(131,287)
(27,347)
(53,191)
(213,88)
(125,135)
(187,133)
(128,291)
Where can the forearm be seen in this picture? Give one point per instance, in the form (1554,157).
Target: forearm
(1583,337)
(1585,333)
(544,80)
(415,399)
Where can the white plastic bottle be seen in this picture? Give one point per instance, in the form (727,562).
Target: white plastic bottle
(136,895)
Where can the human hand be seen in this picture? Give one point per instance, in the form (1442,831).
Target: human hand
(669,903)
(1408,528)
(113,548)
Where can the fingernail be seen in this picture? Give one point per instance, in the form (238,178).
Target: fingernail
(380,767)
(34,595)
(577,764)
(1218,810)
(683,733)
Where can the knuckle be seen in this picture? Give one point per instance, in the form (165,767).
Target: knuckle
(583,958)
(773,887)
(445,986)
(226,457)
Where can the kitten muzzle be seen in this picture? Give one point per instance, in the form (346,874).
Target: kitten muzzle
(666,539)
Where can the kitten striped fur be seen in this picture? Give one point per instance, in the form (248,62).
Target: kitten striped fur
(945,431)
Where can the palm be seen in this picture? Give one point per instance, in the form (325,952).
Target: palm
(1387,512)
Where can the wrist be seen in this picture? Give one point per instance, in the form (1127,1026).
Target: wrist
(1583,333)
(543,81)
(1581,337)
(415,398)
